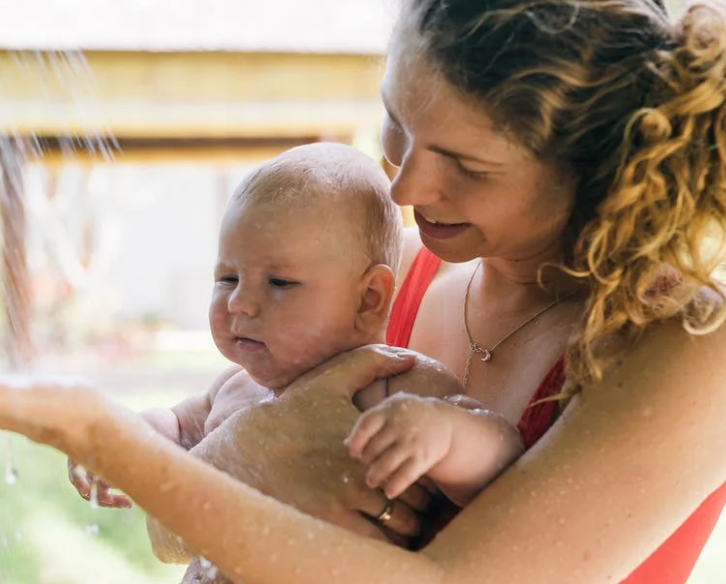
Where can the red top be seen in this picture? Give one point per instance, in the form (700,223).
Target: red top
(673,561)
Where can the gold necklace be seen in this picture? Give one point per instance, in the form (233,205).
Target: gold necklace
(474,347)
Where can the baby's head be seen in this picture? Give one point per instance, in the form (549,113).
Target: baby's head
(308,251)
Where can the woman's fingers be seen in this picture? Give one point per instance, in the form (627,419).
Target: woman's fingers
(353,370)
(395,516)
(417,497)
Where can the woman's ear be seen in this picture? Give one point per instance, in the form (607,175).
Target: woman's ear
(376,293)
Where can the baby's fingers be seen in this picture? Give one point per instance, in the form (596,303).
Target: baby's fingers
(403,477)
(80,479)
(114,500)
(366,427)
(383,468)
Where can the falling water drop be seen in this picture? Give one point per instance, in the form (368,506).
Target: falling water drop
(11,473)
(209,568)
(93,496)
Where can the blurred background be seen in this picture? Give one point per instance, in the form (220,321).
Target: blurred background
(124,128)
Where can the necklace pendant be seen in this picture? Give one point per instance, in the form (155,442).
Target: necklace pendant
(484,354)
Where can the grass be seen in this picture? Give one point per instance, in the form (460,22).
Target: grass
(49,535)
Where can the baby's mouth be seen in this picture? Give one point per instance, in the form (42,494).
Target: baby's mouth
(249,344)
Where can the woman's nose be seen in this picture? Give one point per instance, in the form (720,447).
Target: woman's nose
(243,301)
(415,182)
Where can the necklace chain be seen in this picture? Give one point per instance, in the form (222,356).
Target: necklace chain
(477,349)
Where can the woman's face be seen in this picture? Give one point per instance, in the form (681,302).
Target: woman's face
(475,191)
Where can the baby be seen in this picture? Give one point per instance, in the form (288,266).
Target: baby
(308,251)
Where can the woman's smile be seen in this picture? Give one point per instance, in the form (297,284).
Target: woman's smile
(439,230)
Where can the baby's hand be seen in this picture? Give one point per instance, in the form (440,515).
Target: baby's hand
(400,440)
(93,489)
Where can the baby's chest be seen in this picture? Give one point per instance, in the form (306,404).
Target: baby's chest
(231,400)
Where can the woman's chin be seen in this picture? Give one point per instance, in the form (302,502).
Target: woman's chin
(451,250)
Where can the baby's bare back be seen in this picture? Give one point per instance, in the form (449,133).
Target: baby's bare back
(230,448)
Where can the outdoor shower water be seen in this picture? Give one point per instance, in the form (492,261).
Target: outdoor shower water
(59,81)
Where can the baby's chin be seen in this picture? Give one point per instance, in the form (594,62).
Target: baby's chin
(277,381)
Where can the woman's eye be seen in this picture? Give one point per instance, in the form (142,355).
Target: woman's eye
(473,174)
(281,283)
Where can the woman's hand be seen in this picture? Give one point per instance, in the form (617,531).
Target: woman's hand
(57,411)
(292,449)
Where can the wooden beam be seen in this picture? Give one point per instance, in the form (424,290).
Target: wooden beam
(214,152)
(208,94)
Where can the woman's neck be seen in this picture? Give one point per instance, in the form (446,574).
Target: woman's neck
(513,285)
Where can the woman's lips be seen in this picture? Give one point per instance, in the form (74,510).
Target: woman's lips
(439,230)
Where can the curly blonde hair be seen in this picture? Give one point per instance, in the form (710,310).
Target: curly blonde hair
(634,106)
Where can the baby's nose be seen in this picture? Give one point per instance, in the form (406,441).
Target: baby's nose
(243,302)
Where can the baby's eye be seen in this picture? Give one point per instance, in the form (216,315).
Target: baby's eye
(227,280)
(282,283)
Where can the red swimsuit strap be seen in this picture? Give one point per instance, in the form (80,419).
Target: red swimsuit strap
(405,308)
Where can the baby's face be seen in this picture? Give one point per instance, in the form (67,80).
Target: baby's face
(286,290)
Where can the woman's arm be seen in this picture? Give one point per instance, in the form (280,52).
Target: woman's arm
(629,460)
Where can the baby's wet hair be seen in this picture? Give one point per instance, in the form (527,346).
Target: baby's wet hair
(333,174)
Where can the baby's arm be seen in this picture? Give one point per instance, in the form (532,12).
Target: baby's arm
(407,436)
(183,424)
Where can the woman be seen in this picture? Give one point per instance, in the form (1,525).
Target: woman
(580,143)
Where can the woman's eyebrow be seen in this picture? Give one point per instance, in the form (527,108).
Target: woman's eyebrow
(461,156)
(438,149)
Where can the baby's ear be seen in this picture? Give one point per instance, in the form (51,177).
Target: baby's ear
(377,286)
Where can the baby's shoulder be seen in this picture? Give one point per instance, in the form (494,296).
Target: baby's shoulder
(427,378)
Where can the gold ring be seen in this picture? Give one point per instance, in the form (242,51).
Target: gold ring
(385,515)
